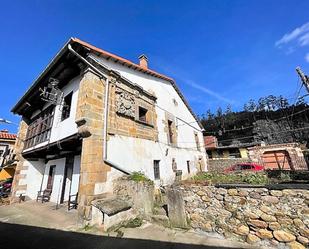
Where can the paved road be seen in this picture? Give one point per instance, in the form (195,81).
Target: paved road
(28,237)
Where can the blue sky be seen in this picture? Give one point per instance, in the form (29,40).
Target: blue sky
(219,52)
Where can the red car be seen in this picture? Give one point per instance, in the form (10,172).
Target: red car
(244,167)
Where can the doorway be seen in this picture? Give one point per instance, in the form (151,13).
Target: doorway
(67,178)
(51,174)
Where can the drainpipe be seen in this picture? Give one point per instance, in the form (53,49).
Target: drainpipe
(105,159)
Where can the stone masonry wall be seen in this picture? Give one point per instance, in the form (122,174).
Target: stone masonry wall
(221,164)
(18,189)
(256,215)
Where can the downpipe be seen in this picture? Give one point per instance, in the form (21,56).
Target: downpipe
(105,159)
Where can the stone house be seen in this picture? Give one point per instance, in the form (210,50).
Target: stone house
(92,116)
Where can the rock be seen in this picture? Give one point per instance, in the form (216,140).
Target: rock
(242,230)
(270,199)
(195,217)
(276,193)
(295,245)
(304,232)
(207,227)
(298,222)
(274,226)
(289,192)
(242,201)
(232,191)
(251,215)
(266,209)
(222,191)
(284,236)
(200,193)
(264,234)
(205,198)
(255,195)
(219,197)
(303,240)
(279,214)
(161,219)
(251,238)
(112,205)
(258,223)
(274,242)
(285,221)
(268,218)
(243,193)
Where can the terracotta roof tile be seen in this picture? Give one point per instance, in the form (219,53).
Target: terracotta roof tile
(122,60)
(5,135)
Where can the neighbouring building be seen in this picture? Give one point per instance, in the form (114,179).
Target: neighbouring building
(92,116)
(288,156)
(7,155)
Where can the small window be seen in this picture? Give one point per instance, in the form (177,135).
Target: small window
(170,131)
(142,114)
(66,106)
(1,152)
(174,164)
(156,169)
(188,167)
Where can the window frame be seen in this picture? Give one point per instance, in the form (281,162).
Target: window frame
(156,169)
(144,120)
(66,108)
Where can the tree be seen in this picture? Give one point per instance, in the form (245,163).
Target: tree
(250,106)
(282,102)
(228,109)
(219,112)
(209,114)
(300,101)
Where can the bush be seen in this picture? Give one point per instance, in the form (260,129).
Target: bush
(244,177)
(139,177)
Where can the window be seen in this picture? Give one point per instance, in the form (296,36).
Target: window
(170,131)
(1,152)
(197,141)
(142,114)
(39,130)
(174,164)
(188,167)
(156,169)
(66,108)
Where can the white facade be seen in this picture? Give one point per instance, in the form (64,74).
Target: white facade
(136,154)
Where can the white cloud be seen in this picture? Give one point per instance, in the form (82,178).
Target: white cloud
(301,34)
(208,91)
(307,57)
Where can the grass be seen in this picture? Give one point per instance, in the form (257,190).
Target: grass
(248,177)
(139,177)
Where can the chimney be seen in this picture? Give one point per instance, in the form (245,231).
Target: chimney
(143,61)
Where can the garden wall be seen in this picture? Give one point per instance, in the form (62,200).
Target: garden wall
(220,164)
(256,215)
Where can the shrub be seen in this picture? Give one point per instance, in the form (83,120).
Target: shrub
(139,177)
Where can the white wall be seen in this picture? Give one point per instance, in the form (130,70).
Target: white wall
(34,175)
(58,178)
(140,153)
(71,186)
(67,127)
(75,177)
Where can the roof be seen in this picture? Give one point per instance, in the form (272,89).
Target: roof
(106,55)
(5,135)
(122,61)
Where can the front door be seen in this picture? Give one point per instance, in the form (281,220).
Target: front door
(67,178)
(51,175)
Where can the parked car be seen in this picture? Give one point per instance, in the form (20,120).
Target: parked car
(244,167)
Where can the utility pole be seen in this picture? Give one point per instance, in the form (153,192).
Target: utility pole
(304,78)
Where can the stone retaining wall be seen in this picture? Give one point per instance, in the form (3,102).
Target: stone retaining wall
(256,215)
